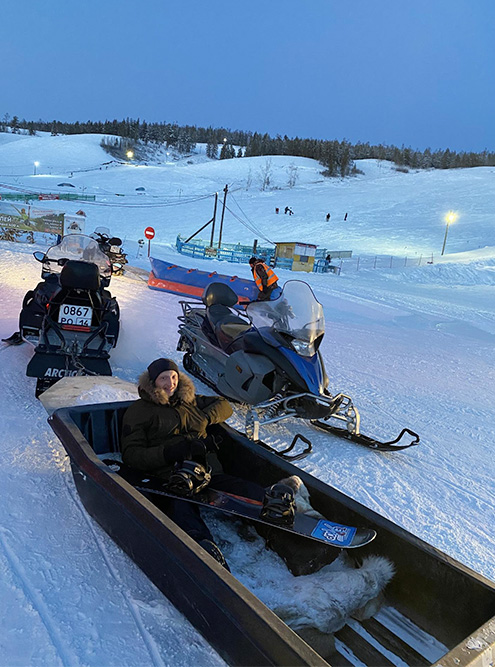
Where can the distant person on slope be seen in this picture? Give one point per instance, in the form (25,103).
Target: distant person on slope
(265,279)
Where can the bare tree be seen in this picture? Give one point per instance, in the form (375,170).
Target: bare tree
(249,179)
(293,175)
(266,174)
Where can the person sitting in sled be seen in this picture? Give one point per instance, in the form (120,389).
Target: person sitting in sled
(266,280)
(164,432)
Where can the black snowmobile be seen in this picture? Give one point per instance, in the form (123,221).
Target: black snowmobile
(112,247)
(70,317)
(269,358)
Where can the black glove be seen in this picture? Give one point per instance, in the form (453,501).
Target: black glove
(185,449)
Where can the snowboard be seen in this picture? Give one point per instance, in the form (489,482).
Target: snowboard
(323,531)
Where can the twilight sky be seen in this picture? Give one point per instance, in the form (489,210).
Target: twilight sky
(413,72)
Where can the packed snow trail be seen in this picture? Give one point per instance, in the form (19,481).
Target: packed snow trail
(84,601)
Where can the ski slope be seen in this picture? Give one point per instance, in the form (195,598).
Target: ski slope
(413,346)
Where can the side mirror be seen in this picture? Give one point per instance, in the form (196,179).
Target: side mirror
(39,256)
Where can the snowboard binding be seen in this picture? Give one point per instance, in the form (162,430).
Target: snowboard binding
(279,506)
(189,478)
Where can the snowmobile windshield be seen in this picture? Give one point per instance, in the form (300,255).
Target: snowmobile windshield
(296,314)
(104,231)
(80,247)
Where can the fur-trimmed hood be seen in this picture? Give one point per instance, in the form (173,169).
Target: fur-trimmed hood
(185,392)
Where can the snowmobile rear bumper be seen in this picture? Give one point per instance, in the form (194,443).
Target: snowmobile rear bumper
(58,365)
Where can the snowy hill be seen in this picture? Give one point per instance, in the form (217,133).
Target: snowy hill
(388,212)
(413,346)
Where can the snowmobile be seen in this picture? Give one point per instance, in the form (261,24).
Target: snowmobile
(269,358)
(70,317)
(112,247)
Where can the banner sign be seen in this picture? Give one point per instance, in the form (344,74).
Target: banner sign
(30,219)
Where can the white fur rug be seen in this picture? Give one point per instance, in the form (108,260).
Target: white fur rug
(323,600)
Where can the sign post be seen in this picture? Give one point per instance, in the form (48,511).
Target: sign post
(149,232)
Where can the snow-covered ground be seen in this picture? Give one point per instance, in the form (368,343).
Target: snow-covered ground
(413,346)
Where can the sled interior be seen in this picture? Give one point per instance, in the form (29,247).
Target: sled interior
(437,611)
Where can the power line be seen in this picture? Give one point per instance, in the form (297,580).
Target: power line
(251,228)
(250,225)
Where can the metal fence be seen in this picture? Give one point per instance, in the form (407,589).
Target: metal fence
(240,254)
(43,196)
(368,262)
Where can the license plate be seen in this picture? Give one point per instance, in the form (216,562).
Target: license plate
(115,249)
(78,315)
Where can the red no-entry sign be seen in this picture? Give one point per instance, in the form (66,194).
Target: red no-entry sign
(149,232)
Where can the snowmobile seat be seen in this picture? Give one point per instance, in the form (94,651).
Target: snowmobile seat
(219,314)
(219,294)
(218,299)
(225,324)
(80,286)
(80,275)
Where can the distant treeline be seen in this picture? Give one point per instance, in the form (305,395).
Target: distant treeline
(336,156)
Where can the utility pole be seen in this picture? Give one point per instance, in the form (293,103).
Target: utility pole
(225,190)
(213,220)
(206,224)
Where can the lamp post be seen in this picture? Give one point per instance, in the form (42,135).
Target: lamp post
(130,155)
(449,219)
(36,165)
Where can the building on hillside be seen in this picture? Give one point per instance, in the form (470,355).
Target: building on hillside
(295,256)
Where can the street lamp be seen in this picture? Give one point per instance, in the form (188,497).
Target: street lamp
(130,155)
(36,164)
(449,219)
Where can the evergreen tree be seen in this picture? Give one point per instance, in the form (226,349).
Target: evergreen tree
(227,152)
(184,143)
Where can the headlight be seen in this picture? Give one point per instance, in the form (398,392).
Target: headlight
(303,348)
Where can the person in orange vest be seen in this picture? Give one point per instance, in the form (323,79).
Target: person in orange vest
(265,279)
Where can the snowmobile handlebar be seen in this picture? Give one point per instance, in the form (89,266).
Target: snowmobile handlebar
(41,257)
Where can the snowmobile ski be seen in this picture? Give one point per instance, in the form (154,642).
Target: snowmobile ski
(321,530)
(15,339)
(366,440)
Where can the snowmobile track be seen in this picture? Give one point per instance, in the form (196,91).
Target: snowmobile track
(37,602)
(153,649)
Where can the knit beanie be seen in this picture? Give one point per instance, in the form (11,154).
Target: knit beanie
(159,365)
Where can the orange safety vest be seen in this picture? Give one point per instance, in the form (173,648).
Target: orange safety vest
(272,276)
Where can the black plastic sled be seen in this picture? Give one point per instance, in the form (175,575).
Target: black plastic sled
(430,592)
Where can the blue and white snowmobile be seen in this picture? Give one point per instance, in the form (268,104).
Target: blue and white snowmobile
(269,358)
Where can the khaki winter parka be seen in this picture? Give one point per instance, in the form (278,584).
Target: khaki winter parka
(156,429)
